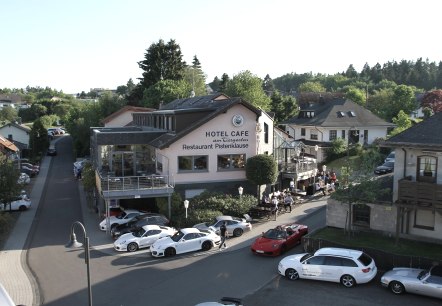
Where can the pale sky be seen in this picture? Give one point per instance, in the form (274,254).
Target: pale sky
(74,46)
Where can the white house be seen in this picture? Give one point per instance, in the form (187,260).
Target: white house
(16,133)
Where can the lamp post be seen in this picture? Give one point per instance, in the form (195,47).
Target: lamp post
(74,244)
(186,206)
(324,168)
(240,190)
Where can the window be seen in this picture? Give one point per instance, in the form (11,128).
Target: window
(266,133)
(303,132)
(424,219)
(313,135)
(343,134)
(333,134)
(426,171)
(192,163)
(361,215)
(316,260)
(231,162)
(346,262)
(333,261)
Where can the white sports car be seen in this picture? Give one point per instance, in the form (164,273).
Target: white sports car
(185,240)
(122,218)
(142,238)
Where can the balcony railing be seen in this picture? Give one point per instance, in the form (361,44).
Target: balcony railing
(421,194)
(134,186)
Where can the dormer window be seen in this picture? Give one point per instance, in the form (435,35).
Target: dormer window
(351,114)
(341,114)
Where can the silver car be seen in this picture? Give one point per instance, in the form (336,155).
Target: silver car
(235,226)
(418,281)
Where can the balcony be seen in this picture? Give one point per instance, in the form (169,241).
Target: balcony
(421,194)
(302,169)
(130,187)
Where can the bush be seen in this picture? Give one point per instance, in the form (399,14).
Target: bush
(6,223)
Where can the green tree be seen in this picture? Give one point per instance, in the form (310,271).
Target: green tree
(402,122)
(378,102)
(196,79)
(351,72)
(311,87)
(223,83)
(284,107)
(164,92)
(248,87)
(260,170)
(214,85)
(9,114)
(355,94)
(38,139)
(403,99)
(268,85)
(9,188)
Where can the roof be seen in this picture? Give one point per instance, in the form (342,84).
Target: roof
(127,108)
(18,126)
(426,133)
(338,113)
(5,143)
(339,252)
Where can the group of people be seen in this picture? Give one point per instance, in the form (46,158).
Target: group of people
(326,182)
(277,198)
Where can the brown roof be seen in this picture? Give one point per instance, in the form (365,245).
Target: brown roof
(127,108)
(4,143)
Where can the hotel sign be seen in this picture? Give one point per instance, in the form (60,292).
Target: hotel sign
(222,139)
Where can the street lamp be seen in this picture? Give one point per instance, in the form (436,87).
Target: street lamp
(74,244)
(186,206)
(240,190)
(324,168)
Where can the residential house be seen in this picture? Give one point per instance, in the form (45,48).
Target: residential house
(188,146)
(415,211)
(18,134)
(319,123)
(123,117)
(8,148)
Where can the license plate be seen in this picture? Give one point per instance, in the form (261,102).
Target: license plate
(259,251)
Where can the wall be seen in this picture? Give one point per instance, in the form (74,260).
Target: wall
(17,134)
(121,120)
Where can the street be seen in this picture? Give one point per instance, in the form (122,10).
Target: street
(139,279)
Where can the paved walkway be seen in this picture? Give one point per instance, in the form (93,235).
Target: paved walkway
(22,286)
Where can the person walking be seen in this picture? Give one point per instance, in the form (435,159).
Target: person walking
(288,202)
(275,206)
(223,234)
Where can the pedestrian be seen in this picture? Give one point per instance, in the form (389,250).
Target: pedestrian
(223,234)
(275,206)
(288,201)
(292,185)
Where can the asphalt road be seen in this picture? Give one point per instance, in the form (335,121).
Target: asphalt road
(139,279)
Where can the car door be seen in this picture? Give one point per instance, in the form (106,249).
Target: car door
(312,267)
(149,238)
(188,243)
(333,269)
(292,238)
(231,225)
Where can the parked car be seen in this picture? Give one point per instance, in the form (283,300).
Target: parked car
(138,222)
(20,203)
(52,152)
(185,240)
(385,168)
(345,266)
(278,240)
(29,171)
(123,218)
(390,157)
(235,226)
(31,166)
(144,237)
(225,301)
(418,281)
(23,179)
(79,165)
(113,211)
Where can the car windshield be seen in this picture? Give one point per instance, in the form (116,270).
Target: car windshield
(423,274)
(275,234)
(177,237)
(305,257)
(139,232)
(365,259)
(121,216)
(389,164)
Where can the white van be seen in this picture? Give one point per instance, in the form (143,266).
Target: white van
(5,299)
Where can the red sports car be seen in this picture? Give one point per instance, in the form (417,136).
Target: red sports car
(277,240)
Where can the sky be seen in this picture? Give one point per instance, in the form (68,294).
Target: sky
(74,46)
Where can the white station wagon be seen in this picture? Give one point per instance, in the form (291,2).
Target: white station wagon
(185,240)
(345,266)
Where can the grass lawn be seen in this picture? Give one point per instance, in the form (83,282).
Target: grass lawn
(381,242)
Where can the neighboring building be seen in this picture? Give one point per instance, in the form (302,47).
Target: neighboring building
(8,148)
(11,100)
(188,146)
(18,134)
(319,123)
(123,117)
(416,208)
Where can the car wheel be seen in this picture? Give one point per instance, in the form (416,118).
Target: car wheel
(237,232)
(132,247)
(348,281)
(396,287)
(113,226)
(207,245)
(291,274)
(22,208)
(170,252)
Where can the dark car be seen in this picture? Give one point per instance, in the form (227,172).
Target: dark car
(29,171)
(138,222)
(385,168)
(31,166)
(52,152)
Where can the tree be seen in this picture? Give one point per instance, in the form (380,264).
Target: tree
(223,84)
(433,100)
(249,88)
(9,188)
(403,99)
(197,81)
(284,107)
(8,113)
(268,85)
(402,122)
(355,94)
(260,170)
(215,84)
(351,72)
(38,138)
(164,92)
(311,87)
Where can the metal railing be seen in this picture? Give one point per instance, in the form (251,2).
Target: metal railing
(127,183)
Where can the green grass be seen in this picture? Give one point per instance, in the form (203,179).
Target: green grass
(381,242)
